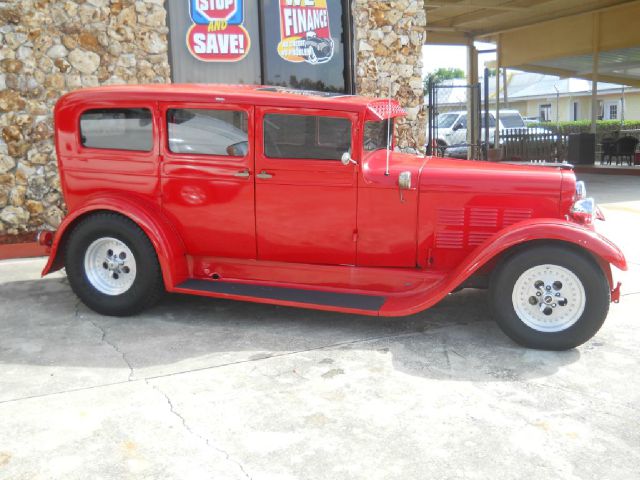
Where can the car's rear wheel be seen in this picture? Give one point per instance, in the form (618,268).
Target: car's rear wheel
(112,266)
(549,297)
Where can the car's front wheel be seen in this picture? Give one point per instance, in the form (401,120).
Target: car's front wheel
(112,266)
(549,297)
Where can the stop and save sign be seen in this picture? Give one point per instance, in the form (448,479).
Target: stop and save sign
(214,10)
(217,33)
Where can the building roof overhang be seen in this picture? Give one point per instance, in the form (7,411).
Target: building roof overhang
(555,37)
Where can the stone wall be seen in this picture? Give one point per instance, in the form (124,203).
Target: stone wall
(389,39)
(49,47)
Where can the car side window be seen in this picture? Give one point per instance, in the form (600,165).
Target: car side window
(309,137)
(462,122)
(117,129)
(208,131)
(492,121)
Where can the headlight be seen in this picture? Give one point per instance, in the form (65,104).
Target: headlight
(581,190)
(584,210)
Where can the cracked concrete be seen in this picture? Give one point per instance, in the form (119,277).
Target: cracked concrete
(194,433)
(111,344)
(200,388)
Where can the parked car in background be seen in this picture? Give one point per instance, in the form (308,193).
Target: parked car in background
(297,198)
(459,151)
(452,127)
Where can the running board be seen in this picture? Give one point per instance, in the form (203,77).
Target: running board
(371,303)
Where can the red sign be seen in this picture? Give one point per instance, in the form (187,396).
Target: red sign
(217,9)
(305,34)
(208,44)
(218,34)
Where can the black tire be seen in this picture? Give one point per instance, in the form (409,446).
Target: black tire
(597,297)
(147,286)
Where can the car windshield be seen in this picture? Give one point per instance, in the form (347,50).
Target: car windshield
(511,120)
(375,134)
(445,120)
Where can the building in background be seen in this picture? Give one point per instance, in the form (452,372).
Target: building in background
(50,47)
(546,98)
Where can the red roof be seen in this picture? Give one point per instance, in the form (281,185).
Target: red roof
(253,94)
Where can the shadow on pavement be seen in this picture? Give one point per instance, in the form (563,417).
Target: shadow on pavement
(43,324)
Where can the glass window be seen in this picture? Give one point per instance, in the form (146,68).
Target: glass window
(306,137)
(375,135)
(545,112)
(445,120)
(304,44)
(186,67)
(492,121)
(117,128)
(208,132)
(600,110)
(511,120)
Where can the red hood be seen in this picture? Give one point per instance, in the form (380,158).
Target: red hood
(446,174)
(374,166)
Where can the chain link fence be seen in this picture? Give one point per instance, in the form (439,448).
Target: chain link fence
(449,128)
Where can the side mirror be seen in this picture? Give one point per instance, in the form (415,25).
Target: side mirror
(457,127)
(239,149)
(346,159)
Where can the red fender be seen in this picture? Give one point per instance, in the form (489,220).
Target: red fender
(148,216)
(537,229)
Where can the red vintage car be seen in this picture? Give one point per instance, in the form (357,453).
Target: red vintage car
(297,198)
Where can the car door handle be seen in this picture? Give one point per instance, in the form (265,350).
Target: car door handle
(243,173)
(264,174)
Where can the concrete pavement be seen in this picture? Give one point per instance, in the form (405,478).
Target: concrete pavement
(200,388)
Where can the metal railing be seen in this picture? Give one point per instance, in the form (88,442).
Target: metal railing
(527,145)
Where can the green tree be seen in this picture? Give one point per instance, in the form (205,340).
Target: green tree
(442,74)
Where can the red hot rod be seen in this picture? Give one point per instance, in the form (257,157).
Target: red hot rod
(297,198)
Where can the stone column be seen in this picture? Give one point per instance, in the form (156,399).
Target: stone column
(388,44)
(48,48)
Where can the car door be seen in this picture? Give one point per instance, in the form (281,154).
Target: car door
(207,177)
(305,196)
(115,149)
(459,133)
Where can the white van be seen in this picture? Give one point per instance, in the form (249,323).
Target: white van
(451,127)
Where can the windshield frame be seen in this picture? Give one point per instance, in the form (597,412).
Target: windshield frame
(380,142)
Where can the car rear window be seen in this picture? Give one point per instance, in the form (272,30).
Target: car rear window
(117,129)
(511,120)
(306,136)
(208,132)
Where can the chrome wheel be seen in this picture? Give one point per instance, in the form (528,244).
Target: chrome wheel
(110,266)
(548,298)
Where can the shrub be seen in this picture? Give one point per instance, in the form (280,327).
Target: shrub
(580,126)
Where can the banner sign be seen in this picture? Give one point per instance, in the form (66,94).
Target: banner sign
(305,35)
(217,33)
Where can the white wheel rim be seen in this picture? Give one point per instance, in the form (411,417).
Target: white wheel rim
(549,298)
(110,266)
